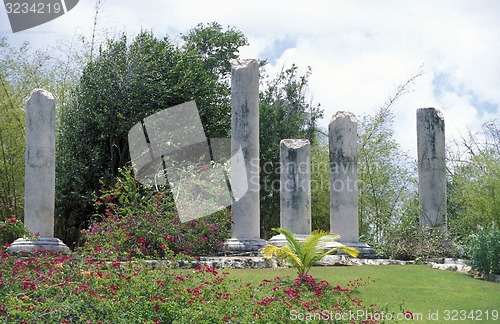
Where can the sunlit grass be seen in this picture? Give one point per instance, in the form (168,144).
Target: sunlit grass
(418,288)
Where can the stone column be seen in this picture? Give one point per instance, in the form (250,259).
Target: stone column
(431,168)
(245,231)
(40,175)
(295,186)
(295,189)
(344,176)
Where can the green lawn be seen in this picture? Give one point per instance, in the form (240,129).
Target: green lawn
(418,288)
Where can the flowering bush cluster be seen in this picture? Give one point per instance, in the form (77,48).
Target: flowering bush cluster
(134,221)
(11,228)
(53,288)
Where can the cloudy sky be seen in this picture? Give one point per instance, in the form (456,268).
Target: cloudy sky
(359,51)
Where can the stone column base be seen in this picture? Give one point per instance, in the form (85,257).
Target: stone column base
(41,244)
(280,239)
(365,251)
(244,245)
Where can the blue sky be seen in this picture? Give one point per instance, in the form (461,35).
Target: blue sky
(359,51)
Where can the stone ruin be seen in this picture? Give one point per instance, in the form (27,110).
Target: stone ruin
(40,175)
(295,176)
(295,189)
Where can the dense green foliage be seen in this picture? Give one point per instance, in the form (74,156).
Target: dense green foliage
(474,181)
(320,186)
(483,250)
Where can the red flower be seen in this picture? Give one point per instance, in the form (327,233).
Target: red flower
(29,285)
(291,292)
(408,315)
(169,238)
(141,240)
(12,219)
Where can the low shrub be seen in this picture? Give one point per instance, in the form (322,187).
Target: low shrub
(415,242)
(483,250)
(134,221)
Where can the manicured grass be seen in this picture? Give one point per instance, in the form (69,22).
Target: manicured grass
(419,288)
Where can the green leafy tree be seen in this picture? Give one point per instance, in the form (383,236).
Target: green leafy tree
(387,177)
(285,112)
(122,84)
(21,71)
(216,47)
(474,181)
(320,184)
(304,254)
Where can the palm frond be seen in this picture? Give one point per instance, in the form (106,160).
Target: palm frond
(290,238)
(347,249)
(283,252)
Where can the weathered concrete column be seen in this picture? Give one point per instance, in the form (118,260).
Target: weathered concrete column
(245,231)
(40,174)
(295,186)
(431,168)
(344,176)
(295,189)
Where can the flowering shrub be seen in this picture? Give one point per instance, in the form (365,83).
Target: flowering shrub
(53,288)
(11,228)
(133,221)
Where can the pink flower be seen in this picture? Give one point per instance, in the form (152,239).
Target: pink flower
(12,219)
(141,240)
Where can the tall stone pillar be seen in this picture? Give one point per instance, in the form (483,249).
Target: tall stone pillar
(245,231)
(295,186)
(295,189)
(431,168)
(40,175)
(344,176)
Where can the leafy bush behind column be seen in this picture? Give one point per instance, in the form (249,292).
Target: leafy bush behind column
(122,85)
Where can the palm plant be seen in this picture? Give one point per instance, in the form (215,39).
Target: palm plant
(303,254)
